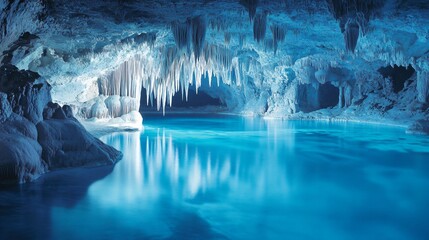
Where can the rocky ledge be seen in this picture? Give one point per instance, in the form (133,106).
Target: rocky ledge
(36,135)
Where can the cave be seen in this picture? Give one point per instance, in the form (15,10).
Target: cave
(204,119)
(179,102)
(310,99)
(328,95)
(398,75)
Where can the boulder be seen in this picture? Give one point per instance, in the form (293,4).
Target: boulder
(37,135)
(26,91)
(18,125)
(66,143)
(20,159)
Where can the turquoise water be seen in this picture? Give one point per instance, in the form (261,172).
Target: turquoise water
(226,177)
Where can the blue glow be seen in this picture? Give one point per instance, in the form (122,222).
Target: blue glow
(211,177)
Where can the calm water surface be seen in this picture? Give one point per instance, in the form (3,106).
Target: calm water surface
(226,177)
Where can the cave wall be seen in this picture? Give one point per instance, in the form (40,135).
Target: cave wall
(274,60)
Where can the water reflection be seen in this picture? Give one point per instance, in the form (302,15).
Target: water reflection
(223,177)
(251,172)
(164,162)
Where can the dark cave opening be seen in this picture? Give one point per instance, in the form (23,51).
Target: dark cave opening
(312,99)
(398,75)
(328,95)
(195,100)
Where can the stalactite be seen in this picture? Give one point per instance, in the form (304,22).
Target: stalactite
(268,45)
(251,6)
(351,35)
(197,27)
(122,88)
(227,38)
(279,34)
(341,9)
(218,24)
(241,39)
(180,34)
(163,73)
(192,33)
(363,23)
(260,27)
(354,16)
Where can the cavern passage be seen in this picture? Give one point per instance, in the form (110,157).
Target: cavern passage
(207,103)
(287,58)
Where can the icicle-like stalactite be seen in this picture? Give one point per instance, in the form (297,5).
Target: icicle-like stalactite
(251,6)
(351,35)
(164,73)
(192,33)
(198,27)
(241,40)
(354,16)
(227,38)
(119,92)
(218,24)
(341,9)
(279,34)
(260,27)
(363,23)
(180,34)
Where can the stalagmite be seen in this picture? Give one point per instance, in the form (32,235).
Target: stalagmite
(341,97)
(347,95)
(423,86)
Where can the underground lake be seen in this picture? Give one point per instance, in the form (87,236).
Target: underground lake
(214,119)
(217,176)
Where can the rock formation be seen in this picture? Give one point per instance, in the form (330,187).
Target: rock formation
(37,135)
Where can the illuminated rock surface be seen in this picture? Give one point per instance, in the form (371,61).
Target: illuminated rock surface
(277,58)
(37,135)
(292,59)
